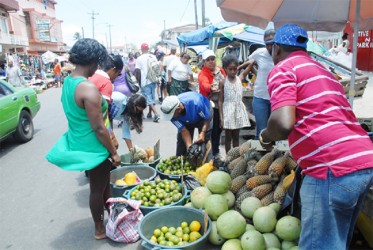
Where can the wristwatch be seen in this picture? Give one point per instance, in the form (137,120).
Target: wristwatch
(261,139)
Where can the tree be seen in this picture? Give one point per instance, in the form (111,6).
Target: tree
(77,36)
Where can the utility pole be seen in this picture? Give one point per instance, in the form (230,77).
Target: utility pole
(109,25)
(195,13)
(82,32)
(203,14)
(93,22)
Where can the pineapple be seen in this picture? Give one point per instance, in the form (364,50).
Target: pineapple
(237,183)
(239,169)
(268,199)
(233,153)
(234,163)
(258,180)
(290,164)
(242,190)
(279,194)
(251,165)
(261,191)
(263,164)
(277,166)
(245,148)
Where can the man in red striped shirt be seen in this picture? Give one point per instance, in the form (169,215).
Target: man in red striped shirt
(309,109)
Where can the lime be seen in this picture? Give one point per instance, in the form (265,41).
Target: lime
(157,232)
(168,235)
(172,230)
(185,237)
(164,229)
(179,234)
(184,224)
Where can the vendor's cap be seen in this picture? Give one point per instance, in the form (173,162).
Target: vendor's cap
(207,53)
(169,105)
(291,35)
(144,46)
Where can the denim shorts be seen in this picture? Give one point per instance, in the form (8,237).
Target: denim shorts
(149,92)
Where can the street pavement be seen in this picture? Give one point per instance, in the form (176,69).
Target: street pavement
(44,207)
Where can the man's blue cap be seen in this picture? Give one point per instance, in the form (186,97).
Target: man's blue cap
(288,34)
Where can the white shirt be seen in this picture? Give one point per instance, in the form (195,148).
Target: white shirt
(179,70)
(142,64)
(265,65)
(168,59)
(14,76)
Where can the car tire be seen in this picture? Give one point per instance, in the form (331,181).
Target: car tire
(25,128)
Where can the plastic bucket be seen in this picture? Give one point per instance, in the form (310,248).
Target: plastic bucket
(173,216)
(126,161)
(144,172)
(146,209)
(169,176)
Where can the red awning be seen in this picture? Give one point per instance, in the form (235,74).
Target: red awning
(9,5)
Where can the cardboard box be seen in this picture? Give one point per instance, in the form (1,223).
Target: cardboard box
(368,122)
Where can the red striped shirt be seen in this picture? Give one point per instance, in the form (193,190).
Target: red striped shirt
(326,133)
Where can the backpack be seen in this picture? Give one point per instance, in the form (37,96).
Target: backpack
(154,71)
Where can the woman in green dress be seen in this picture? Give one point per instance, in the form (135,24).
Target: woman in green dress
(87,145)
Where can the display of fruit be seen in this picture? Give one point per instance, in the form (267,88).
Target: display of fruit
(138,155)
(130,178)
(173,166)
(180,235)
(157,193)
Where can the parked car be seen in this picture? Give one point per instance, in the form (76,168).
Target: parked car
(18,106)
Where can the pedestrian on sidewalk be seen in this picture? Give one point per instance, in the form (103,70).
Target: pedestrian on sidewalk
(188,111)
(57,73)
(309,108)
(180,74)
(148,86)
(13,74)
(233,114)
(87,144)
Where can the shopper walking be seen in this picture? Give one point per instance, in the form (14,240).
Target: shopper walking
(13,74)
(180,74)
(57,73)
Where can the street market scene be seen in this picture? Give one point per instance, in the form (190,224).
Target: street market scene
(205,124)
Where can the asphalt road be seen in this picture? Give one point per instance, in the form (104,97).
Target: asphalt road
(44,207)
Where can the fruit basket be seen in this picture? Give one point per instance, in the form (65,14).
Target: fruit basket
(158,194)
(170,217)
(144,172)
(171,168)
(125,161)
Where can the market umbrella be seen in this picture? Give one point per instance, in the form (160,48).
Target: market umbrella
(318,15)
(49,56)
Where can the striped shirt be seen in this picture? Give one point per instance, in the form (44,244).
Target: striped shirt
(326,133)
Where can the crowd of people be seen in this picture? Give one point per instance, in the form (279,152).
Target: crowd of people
(295,98)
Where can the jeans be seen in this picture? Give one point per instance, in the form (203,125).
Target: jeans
(216,132)
(330,208)
(262,111)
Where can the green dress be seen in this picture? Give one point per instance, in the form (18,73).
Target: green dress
(78,149)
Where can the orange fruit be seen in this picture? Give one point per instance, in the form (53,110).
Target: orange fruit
(193,236)
(195,226)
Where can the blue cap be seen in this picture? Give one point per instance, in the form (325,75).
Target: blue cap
(288,35)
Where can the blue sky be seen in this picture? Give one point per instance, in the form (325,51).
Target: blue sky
(136,21)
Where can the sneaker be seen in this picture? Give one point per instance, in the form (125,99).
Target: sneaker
(149,115)
(156,118)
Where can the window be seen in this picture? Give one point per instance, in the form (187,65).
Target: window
(4,90)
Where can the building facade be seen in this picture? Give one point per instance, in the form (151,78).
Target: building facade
(30,27)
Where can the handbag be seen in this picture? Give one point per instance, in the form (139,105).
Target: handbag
(124,218)
(133,85)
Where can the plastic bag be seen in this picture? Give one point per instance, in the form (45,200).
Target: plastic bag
(124,218)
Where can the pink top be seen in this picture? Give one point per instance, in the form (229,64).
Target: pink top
(326,133)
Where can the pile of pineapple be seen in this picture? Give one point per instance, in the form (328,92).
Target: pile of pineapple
(267,177)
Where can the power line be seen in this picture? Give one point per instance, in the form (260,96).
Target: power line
(184,11)
(93,13)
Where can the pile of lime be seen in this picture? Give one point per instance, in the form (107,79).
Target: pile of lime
(157,193)
(183,234)
(172,165)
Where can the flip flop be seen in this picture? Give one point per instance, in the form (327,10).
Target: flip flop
(101,236)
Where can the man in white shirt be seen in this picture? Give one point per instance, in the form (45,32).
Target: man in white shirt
(147,87)
(13,74)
